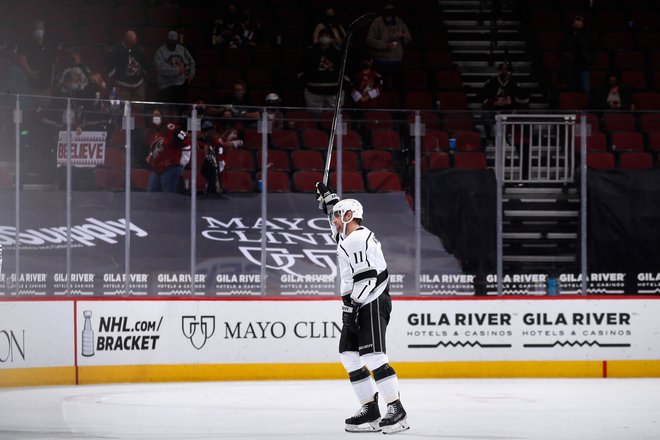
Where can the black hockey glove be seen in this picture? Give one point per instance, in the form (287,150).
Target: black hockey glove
(326,196)
(349,317)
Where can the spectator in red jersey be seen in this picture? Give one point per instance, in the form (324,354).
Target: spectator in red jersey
(366,85)
(169,152)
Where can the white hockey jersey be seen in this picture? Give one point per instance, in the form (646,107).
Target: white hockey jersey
(362,266)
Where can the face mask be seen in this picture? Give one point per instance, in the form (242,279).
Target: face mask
(239,94)
(156,120)
(39,33)
(324,39)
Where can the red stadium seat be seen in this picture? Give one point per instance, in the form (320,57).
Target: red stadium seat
(549,40)
(162,16)
(100,15)
(601,61)
(438,161)
(194,17)
(109,179)
(415,79)
(237,58)
(129,16)
(650,122)
(140,179)
(448,80)
(418,100)
(551,60)
(634,80)
(449,101)
(351,181)
(635,161)
(654,141)
(285,139)
(629,61)
(94,34)
(278,181)
(305,181)
(307,160)
(186,179)
(611,21)
(435,140)
(258,78)
(615,41)
(413,59)
(325,120)
(225,76)
(301,119)
(470,160)
(315,139)
(351,140)
(644,19)
(237,181)
(238,160)
(648,40)
(573,101)
(627,141)
(349,161)
(595,142)
(378,120)
(646,101)
(545,20)
(383,181)
(467,140)
(385,140)
(439,60)
(252,139)
(265,57)
(278,160)
(600,161)
(613,122)
(458,121)
(377,160)
(115,158)
(431,120)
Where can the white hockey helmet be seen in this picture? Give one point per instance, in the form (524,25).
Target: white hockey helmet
(343,206)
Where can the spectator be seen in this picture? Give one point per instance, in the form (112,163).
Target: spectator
(175,69)
(169,152)
(75,65)
(329,22)
(500,91)
(615,96)
(209,149)
(320,72)
(240,102)
(12,77)
(250,29)
(275,116)
(127,68)
(366,85)
(227,30)
(577,54)
(36,59)
(387,36)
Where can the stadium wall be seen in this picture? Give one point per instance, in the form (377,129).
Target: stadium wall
(99,340)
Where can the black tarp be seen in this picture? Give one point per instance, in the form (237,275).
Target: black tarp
(460,207)
(623,221)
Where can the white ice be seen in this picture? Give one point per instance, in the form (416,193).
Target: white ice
(485,409)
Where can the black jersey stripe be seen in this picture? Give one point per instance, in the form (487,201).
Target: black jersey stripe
(364,275)
(349,258)
(366,248)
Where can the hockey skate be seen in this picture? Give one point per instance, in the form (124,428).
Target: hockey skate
(366,418)
(395,419)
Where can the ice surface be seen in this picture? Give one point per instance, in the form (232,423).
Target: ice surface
(480,409)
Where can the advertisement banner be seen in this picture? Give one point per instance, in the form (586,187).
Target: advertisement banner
(87,149)
(236,332)
(207,332)
(36,334)
(300,260)
(525,330)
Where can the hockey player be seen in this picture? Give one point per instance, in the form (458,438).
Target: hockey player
(365,315)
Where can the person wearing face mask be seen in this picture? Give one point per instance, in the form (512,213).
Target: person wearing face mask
(126,68)
(169,152)
(577,55)
(320,72)
(78,67)
(175,69)
(36,58)
(387,36)
(366,85)
(240,102)
(329,22)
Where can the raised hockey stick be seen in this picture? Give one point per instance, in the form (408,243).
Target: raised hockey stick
(355,24)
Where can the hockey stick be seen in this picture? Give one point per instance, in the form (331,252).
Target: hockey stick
(357,23)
